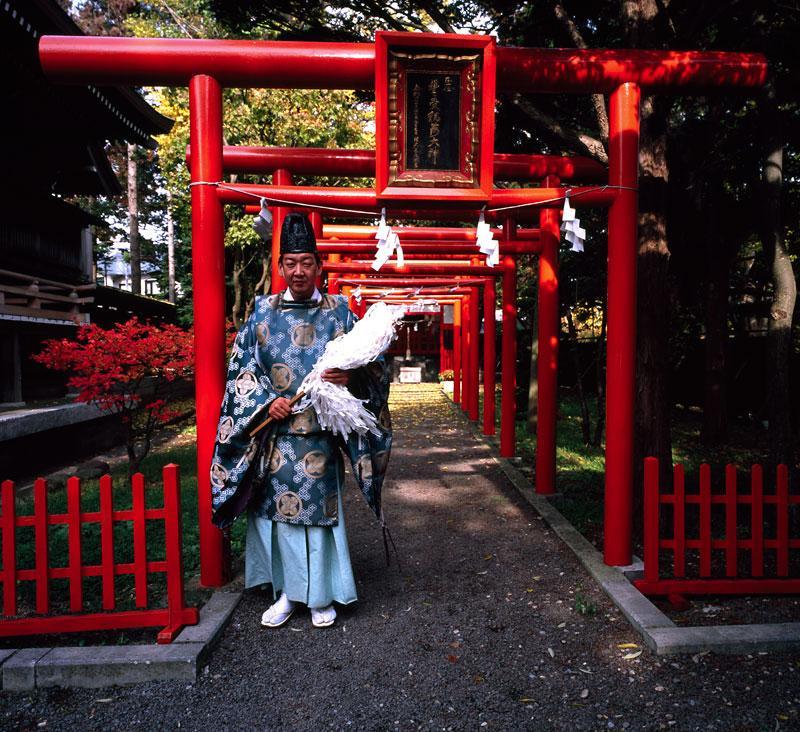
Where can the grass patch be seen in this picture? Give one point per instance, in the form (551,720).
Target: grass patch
(580,468)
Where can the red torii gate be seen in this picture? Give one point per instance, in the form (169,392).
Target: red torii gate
(458,298)
(205,66)
(449,292)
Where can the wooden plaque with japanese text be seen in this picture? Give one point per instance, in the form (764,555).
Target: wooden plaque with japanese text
(434,117)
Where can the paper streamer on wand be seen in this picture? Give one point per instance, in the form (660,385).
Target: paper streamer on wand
(337,409)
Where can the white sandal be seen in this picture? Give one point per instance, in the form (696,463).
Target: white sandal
(274,618)
(323,617)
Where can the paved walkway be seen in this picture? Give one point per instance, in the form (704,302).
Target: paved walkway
(491,624)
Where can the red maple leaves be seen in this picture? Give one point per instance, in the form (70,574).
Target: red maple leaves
(130,369)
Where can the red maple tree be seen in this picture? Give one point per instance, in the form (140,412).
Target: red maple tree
(130,370)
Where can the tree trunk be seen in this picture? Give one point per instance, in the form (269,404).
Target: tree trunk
(640,22)
(586,427)
(264,282)
(652,358)
(238,288)
(134,458)
(262,286)
(533,383)
(170,249)
(779,330)
(133,222)
(601,380)
(715,411)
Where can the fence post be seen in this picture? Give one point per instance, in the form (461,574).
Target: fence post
(9,526)
(75,557)
(651,515)
(705,520)
(782,520)
(139,541)
(679,521)
(757,521)
(42,554)
(172,539)
(107,542)
(731,541)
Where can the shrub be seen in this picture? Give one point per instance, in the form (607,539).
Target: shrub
(130,370)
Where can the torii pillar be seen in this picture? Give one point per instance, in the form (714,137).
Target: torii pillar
(623,172)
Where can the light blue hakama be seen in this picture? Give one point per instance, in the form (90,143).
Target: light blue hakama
(311,564)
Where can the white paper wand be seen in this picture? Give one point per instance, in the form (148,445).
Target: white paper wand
(337,409)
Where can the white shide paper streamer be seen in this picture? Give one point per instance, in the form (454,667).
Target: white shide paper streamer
(486,242)
(571,227)
(388,244)
(262,223)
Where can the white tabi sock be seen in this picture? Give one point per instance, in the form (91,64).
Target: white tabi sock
(284,604)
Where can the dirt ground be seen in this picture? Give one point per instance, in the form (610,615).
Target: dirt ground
(490,624)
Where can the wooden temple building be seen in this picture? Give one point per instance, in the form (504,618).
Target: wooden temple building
(53,150)
(54,147)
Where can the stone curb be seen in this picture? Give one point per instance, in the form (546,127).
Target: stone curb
(659,633)
(99,666)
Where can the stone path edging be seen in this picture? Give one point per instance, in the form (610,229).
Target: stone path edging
(99,666)
(657,630)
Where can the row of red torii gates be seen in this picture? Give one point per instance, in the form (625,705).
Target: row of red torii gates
(437,259)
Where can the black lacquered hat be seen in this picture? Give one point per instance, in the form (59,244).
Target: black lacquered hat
(297,235)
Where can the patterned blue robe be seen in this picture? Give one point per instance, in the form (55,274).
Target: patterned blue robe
(289,472)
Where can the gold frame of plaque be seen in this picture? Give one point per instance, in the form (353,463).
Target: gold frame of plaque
(434,112)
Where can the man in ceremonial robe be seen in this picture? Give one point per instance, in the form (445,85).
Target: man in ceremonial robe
(289,476)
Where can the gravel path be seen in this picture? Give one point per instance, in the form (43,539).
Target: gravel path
(491,624)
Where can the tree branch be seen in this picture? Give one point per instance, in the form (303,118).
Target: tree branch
(579,141)
(438,16)
(598,100)
(188,29)
(387,12)
(569,26)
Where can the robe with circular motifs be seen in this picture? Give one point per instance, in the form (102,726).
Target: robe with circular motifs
(292,471)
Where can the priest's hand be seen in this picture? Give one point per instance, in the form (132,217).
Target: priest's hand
(280,408)
(336,376)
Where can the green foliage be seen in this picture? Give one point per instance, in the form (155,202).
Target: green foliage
(273,117)
(265,117)
(584,605)
(351,20)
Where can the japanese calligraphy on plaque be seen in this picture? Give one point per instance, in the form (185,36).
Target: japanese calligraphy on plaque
(434,116)
(432,135)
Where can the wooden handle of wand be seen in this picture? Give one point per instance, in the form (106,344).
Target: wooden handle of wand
(296,398)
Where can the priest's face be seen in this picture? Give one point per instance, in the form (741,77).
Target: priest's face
(300,272)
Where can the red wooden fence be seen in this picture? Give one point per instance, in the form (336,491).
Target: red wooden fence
(173,617)
(775,578)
